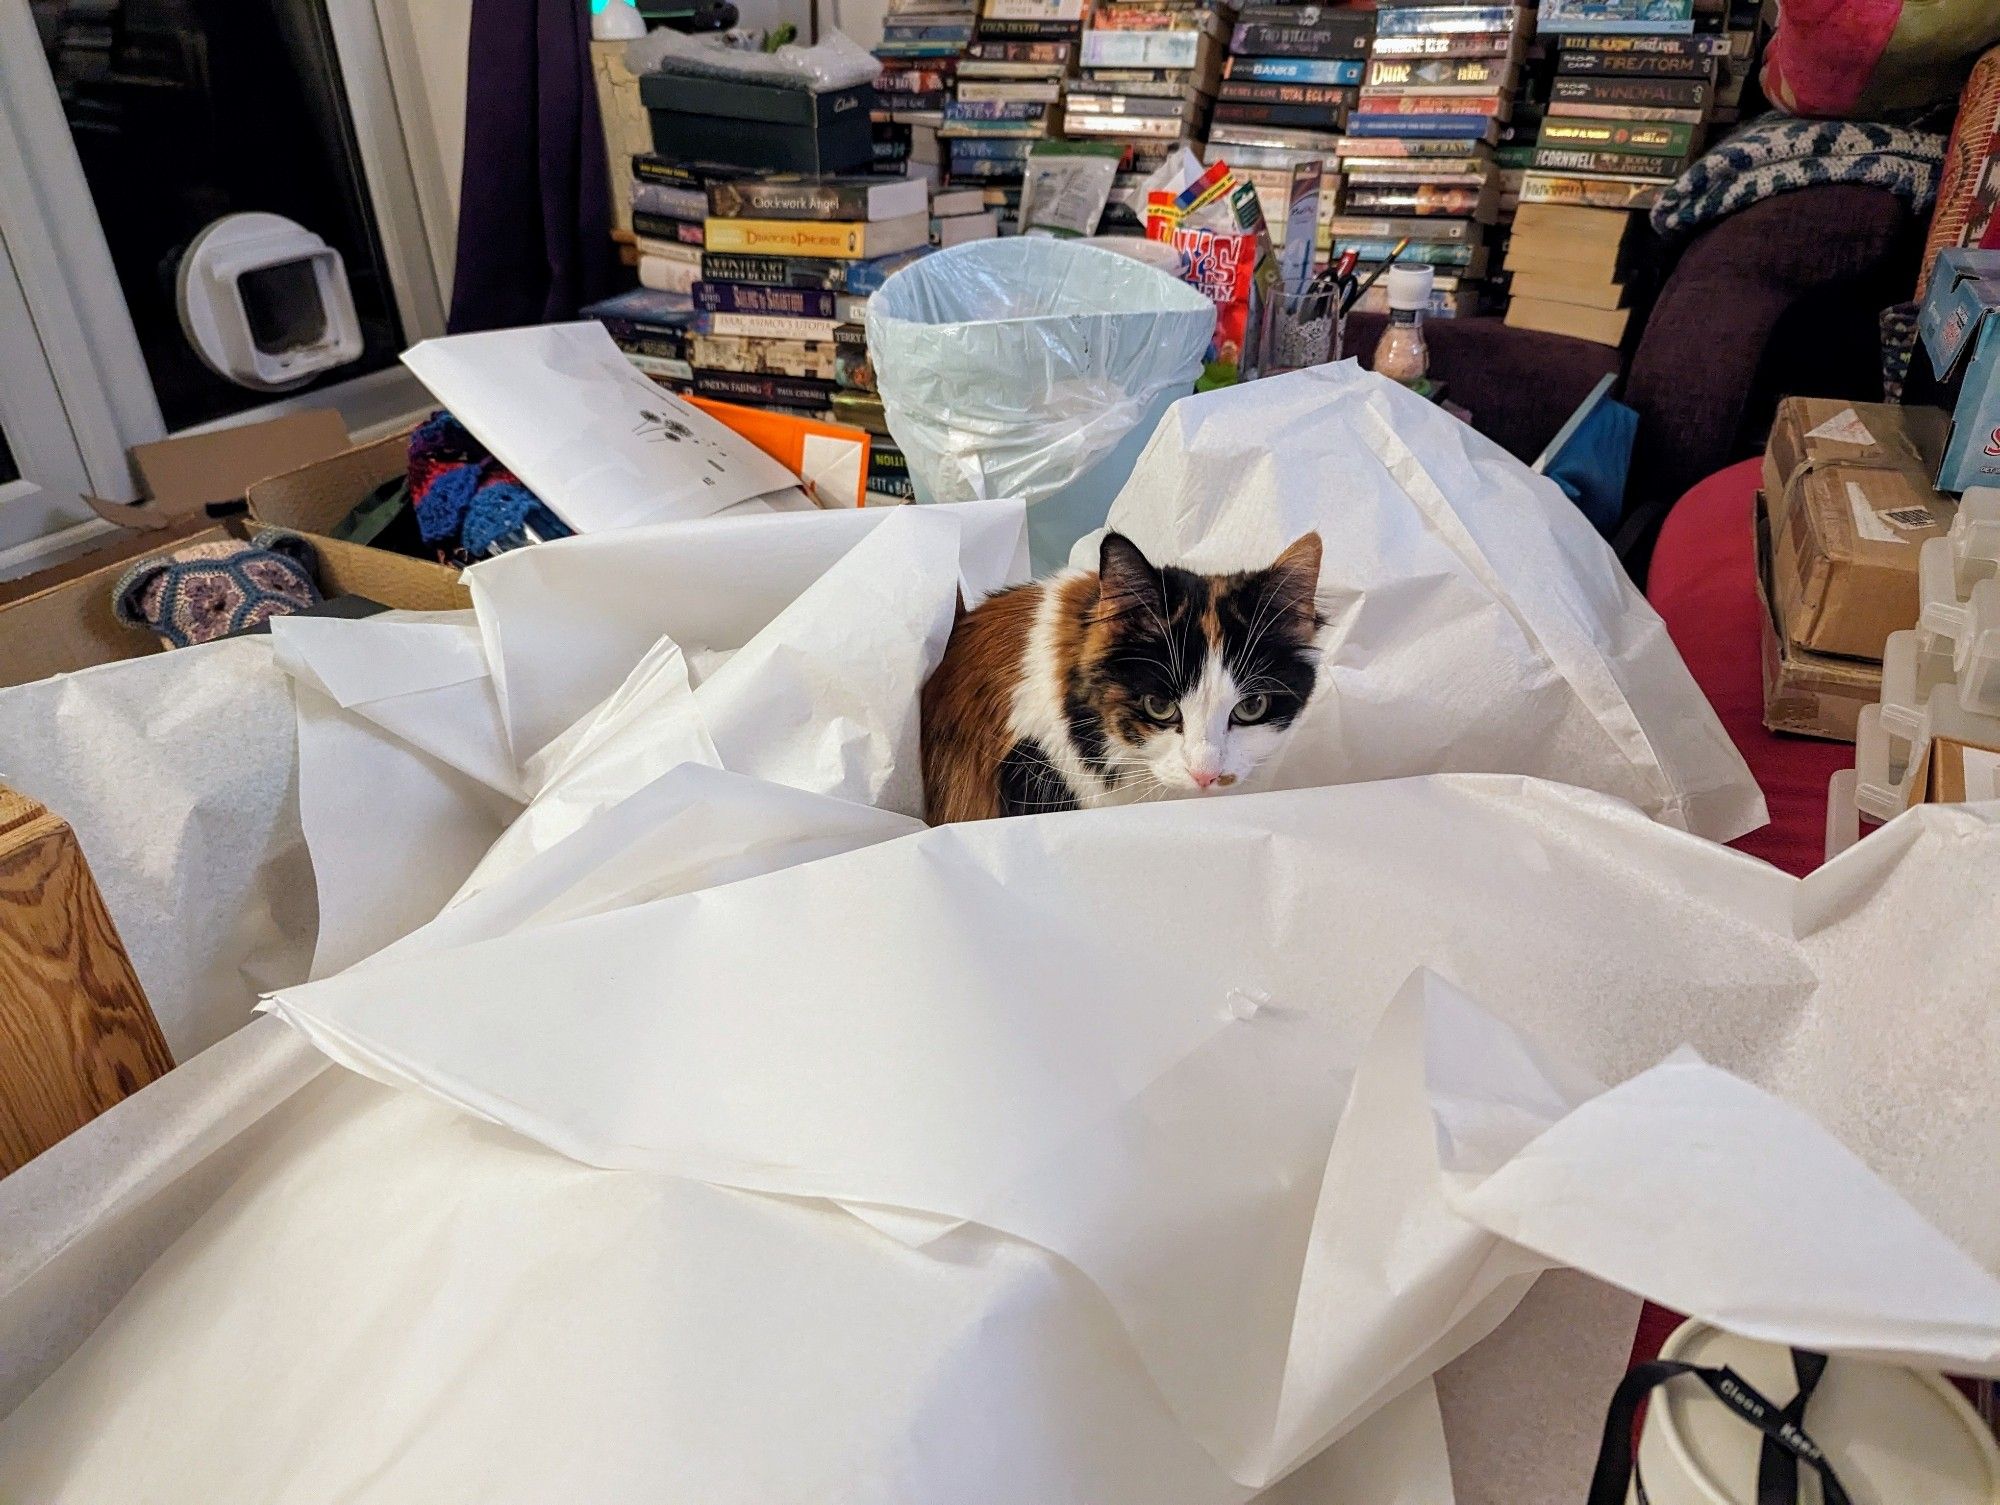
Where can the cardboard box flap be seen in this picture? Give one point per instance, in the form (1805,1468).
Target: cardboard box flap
(195,476)
(1956,304)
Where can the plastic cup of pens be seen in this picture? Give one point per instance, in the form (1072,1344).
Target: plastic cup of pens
(1300,330)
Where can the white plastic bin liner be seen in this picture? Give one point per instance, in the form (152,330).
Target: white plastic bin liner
(1010,367)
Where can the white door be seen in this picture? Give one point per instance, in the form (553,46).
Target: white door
(42,472)
(127,128)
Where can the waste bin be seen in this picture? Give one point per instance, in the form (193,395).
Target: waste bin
(1032,367)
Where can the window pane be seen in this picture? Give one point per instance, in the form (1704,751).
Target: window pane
(186,110)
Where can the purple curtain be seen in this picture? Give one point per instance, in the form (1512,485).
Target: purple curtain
(534,216)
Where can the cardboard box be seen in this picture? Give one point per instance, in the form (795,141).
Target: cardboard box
(194,479)
(1954,772)
(1851,503)
(1808,694)
(1956,324)
(70,625)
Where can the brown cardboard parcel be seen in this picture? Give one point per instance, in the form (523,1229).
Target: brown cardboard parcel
(1812,694)
(1849,486)
(1954,772)
(70,625)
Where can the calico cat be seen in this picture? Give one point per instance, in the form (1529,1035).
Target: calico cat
(1131,683)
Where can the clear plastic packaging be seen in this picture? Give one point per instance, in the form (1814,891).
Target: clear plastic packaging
(837,63)
(1011,367)
(1920,700)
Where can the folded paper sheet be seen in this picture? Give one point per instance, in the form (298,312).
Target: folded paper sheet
(601,443)
(409,725)
(1476,622)
(177,773)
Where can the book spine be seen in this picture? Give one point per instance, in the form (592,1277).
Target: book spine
(647,339)
(751,198)
(1020,52)
(1708,46)
(767,327)
(1070,11)
(1165,126)
(735,386)
(1433,253)
(1437,127)
(1657,14)
(765,302)
(665,227)
(790,237)
(897,32)
(1588,193)
(990,151)
(772,271)
(1422,201)
(1396,102)
(1294,70)
(1242,112)
(1002,29)
(1285,94)
(969,111)
(1439,73)
(1634,164)
(662,368)
(1588,62)
(1441,21)
(1632,112)
(651,169)
(666,199)
(972,91)
(1333,39)
(1674,93)
(1449,44)
(1363,227)
(761,357)
(1120,104)
(1655,138)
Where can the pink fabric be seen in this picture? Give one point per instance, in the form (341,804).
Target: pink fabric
(1824,52)
(1703,583)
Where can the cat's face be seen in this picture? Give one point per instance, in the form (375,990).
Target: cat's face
(1191,681)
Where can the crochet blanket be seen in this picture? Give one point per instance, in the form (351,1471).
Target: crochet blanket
(1775,154)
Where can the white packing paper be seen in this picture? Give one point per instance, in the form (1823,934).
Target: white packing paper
(902,1074)
(1476,621)
(824,698)
(565,622)
(601,443)
(176,772)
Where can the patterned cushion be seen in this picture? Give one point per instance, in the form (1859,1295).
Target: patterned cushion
(213,590)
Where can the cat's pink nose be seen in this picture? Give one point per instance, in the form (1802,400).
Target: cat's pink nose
(1203,777)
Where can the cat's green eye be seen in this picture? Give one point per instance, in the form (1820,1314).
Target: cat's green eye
(1251,709)
(1160,708)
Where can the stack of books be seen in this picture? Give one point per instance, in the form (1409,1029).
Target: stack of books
(1568,266)
(922,44)
(1738,63)
(1629,105)
(1150,70)
(1291,76)
(1010,98)
(786,272)
(669,208)
(1417,162)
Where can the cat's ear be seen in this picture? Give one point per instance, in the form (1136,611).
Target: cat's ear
(1126,579)
(1295,573)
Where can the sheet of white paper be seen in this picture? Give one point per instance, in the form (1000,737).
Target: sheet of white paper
(405,780)
(565,622)
(176,772)
(1476,621)
(600,442)
(824,698)
(1818,1252)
